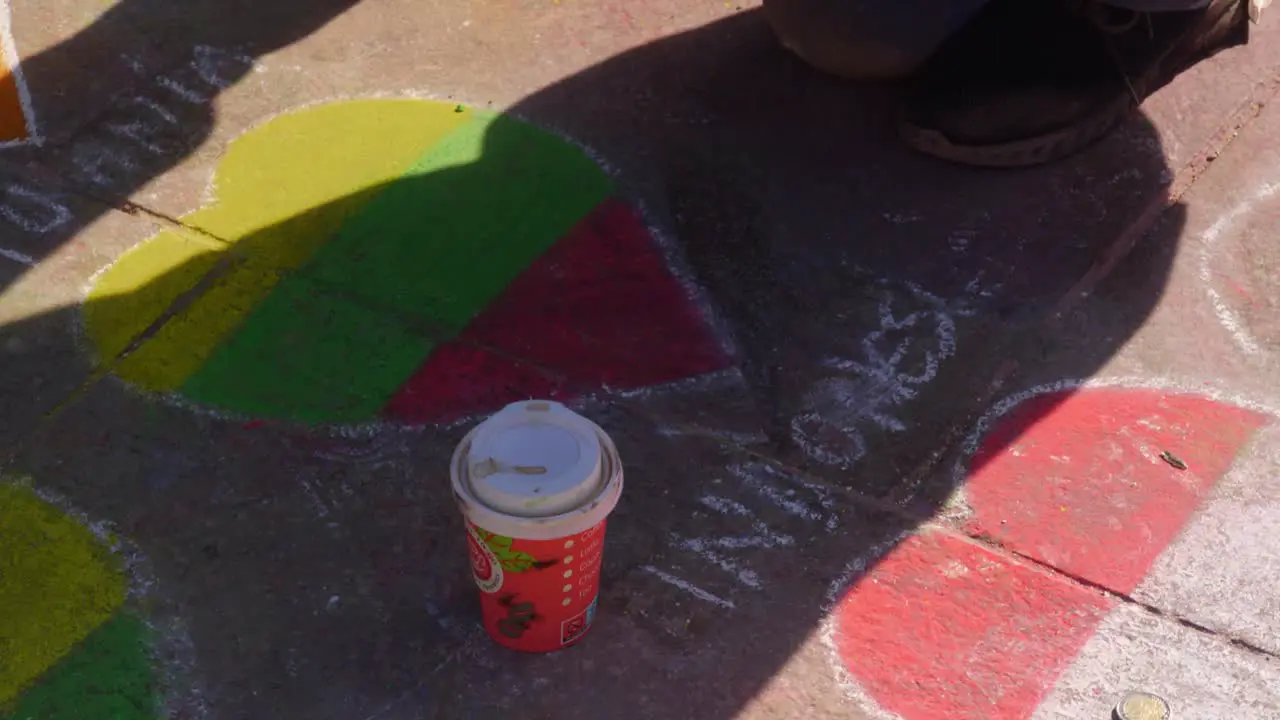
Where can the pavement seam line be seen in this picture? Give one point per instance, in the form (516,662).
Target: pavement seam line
(994,545)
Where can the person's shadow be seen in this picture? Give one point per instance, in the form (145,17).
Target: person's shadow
(804,224)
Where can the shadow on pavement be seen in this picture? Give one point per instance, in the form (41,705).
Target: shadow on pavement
(873,297)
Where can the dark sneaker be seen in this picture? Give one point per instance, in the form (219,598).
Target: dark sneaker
(1030,81)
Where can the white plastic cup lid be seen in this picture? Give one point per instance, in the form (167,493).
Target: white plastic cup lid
(534,459)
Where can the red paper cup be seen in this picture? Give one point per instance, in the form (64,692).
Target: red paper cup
(535,484)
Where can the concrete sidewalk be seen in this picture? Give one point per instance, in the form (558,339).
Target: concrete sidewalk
(901,439)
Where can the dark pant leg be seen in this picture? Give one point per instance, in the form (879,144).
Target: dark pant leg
(1159,5)
(868,38)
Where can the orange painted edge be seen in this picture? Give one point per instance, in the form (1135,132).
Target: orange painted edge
(16,122)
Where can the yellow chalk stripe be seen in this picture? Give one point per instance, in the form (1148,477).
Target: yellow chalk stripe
(181,346)
(278,198)
(57,584)
(277,201)
(138,288)
(13,118)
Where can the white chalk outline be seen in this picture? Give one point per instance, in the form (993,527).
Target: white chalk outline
(688,587)
(20,258)
(1227,317)
(9,50)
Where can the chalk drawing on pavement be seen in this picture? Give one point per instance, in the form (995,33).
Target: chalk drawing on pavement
(865,393)
(1064,476)
(398,260)
(741,533)
(915,334)
(1225,305)
(73,642)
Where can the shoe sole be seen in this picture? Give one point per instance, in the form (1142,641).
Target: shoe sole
(1070,140)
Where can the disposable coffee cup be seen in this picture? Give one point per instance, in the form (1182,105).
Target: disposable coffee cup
(536,483)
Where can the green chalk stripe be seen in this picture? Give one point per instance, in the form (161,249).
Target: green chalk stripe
(107,677)
(308,355)
(443,241)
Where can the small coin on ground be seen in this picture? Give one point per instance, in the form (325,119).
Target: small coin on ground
(1142,706)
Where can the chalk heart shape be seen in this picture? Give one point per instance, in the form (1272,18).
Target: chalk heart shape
(68,647)
(397,259)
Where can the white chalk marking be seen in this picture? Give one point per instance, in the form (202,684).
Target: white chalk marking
(321,509)
(688,587)
(207,60)
(134,64)
(59,214)
(136,132)
(155,107)
(703,549)
(725,506)
(753,477)
(1227,317)
(837,410)
(960,240)
(92,160)
(901,218)
(181,90)
(18,257)
(731,437)
(763,538)
(10,52)
(751,541)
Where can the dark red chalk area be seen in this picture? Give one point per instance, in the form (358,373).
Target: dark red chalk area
(599,309)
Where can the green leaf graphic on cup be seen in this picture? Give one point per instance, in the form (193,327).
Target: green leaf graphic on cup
(510,560)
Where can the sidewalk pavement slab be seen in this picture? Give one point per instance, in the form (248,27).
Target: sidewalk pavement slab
(874,305)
